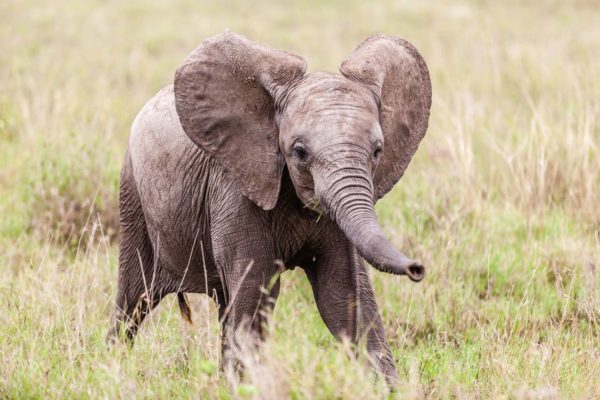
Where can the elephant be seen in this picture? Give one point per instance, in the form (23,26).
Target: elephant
(247,166)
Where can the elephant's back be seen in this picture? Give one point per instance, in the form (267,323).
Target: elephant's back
(172,178)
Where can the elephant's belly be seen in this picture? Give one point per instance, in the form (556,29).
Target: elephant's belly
(175,209)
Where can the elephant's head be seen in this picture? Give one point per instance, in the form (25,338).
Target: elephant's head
(345,139)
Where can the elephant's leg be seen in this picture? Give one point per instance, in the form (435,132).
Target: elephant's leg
(139,286)
(135,295)
(245,256)
(346,302)
(244,318)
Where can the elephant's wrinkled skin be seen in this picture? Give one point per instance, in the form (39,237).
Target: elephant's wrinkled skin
(229,170)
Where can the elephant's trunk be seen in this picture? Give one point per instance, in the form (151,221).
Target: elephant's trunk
(346,195)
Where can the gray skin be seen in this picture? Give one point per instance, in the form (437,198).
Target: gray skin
(247,166)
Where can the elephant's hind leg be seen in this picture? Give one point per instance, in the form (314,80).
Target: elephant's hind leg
(140,287)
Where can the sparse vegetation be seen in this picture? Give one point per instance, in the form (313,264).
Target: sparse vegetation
(500,202)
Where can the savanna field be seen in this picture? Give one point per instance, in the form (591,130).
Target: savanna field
(501,203)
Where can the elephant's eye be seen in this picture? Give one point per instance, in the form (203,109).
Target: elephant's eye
(378,150)
(300,152)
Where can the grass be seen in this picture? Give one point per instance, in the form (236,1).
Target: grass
(500,202)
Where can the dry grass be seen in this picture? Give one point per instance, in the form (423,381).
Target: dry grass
(501,202)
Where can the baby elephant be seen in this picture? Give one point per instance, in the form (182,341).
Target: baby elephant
(248,165)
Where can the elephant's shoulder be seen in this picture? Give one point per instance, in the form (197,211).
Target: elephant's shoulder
(157,122)
(164,162)
(156,133)
(161,153)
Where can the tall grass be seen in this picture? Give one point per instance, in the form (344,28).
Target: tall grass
(500,202)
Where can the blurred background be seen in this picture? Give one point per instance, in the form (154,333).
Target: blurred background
(500,201)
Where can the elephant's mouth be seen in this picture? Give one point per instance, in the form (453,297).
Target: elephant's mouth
(314,208)
(314,205)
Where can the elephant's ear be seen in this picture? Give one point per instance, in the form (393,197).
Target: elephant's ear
(225,95)
(398,76)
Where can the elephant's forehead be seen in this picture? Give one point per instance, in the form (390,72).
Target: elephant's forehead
(325,101)
(322,91)
(337,120)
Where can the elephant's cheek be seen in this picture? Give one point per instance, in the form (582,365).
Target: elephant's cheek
(304,187)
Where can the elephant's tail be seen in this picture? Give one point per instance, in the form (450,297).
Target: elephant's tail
(184,307)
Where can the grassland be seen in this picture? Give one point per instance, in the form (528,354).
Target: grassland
(501,202)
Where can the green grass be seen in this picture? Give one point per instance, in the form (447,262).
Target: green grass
(500,202)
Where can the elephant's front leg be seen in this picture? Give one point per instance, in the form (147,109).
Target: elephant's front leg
(249,302)
(346,302)
(248,267)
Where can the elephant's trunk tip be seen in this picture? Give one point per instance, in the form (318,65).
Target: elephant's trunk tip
(415,271)
(384,257)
